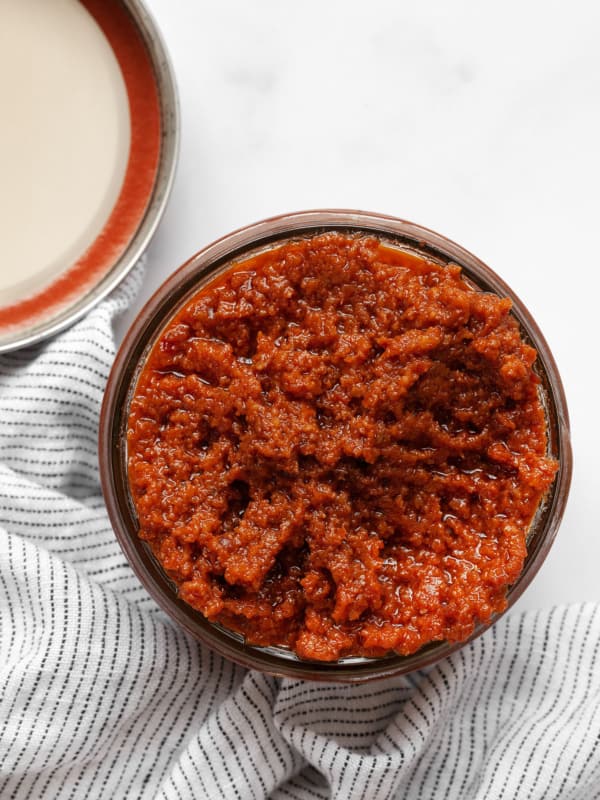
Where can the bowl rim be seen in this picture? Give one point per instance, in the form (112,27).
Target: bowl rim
(170,297)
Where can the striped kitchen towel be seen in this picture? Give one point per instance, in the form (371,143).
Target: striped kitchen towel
(101,696)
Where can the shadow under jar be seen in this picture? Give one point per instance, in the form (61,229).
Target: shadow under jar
(225,257)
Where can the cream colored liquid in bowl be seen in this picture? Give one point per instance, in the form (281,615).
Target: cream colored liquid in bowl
(64,140)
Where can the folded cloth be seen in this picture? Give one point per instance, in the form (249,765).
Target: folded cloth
(102,696)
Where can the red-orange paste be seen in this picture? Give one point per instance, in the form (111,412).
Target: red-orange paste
(339,448)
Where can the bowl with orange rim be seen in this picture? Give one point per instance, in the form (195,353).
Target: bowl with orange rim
(90,160)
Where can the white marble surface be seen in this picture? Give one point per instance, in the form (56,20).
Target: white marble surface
(480,121)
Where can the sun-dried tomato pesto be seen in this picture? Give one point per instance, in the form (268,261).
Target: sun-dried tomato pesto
(340,448)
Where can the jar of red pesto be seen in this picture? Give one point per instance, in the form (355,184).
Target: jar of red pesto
(334,445)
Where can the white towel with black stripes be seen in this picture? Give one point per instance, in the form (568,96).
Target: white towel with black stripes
(101,696)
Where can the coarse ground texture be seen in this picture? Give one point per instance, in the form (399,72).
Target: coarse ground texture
(339,448)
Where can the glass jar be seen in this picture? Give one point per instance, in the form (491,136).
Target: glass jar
(172,295)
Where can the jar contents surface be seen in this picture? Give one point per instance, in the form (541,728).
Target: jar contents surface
(339,447)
